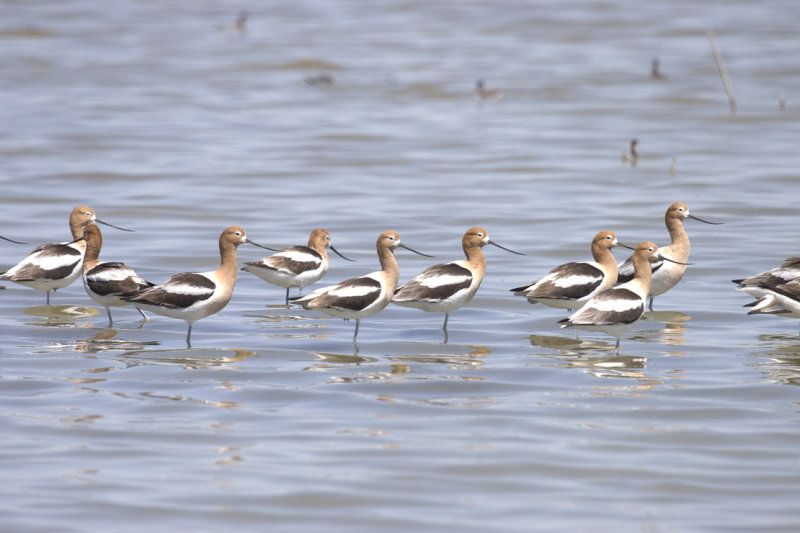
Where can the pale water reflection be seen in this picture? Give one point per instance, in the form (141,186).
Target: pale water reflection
(61,316)
(190,358)
(107,340)
(779,358)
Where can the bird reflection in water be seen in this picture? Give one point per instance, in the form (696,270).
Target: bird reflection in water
(339,362)
(672,333)
(368,368)
(291,326)
(61,316)
(582,353)
(190,358)
(780,358)
(463,357)
(105,340)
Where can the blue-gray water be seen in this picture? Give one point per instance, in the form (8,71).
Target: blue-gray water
(167,120)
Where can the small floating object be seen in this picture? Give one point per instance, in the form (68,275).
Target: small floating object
(484,94)
(632,156)
(319,80)
(655,70)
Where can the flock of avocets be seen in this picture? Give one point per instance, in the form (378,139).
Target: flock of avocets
(605,296)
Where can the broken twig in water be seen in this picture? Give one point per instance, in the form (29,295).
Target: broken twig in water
(723,72)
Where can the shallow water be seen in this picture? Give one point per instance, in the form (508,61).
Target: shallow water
(167,120)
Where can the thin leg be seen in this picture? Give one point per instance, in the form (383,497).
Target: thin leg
(617,347)
(651,302)
(287,295)
(446,316)
(189,336)
(355,335)
(570,311)
(48,297)
(144,316)
(110,320)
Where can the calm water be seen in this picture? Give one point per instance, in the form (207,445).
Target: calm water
(169,121)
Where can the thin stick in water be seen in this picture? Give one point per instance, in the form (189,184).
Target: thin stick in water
(723,72)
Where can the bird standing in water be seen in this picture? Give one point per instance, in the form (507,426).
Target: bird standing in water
(667,274)
(296,266)
(449,286)
(54,266)
(191,296)
(108,283)
(363,296)
(617,309)
(571,285)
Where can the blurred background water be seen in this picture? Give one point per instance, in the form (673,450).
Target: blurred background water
(358,117)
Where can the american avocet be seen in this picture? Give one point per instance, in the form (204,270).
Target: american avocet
(667,274)
(363,296)
(758,285)
(296,266)
(54,266)
(108,283)
(617,309)
(777,291)
(191,296)
(449,286)
(781,300)
(482,93)
(571,285)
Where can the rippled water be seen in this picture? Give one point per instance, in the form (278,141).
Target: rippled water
(166,119)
